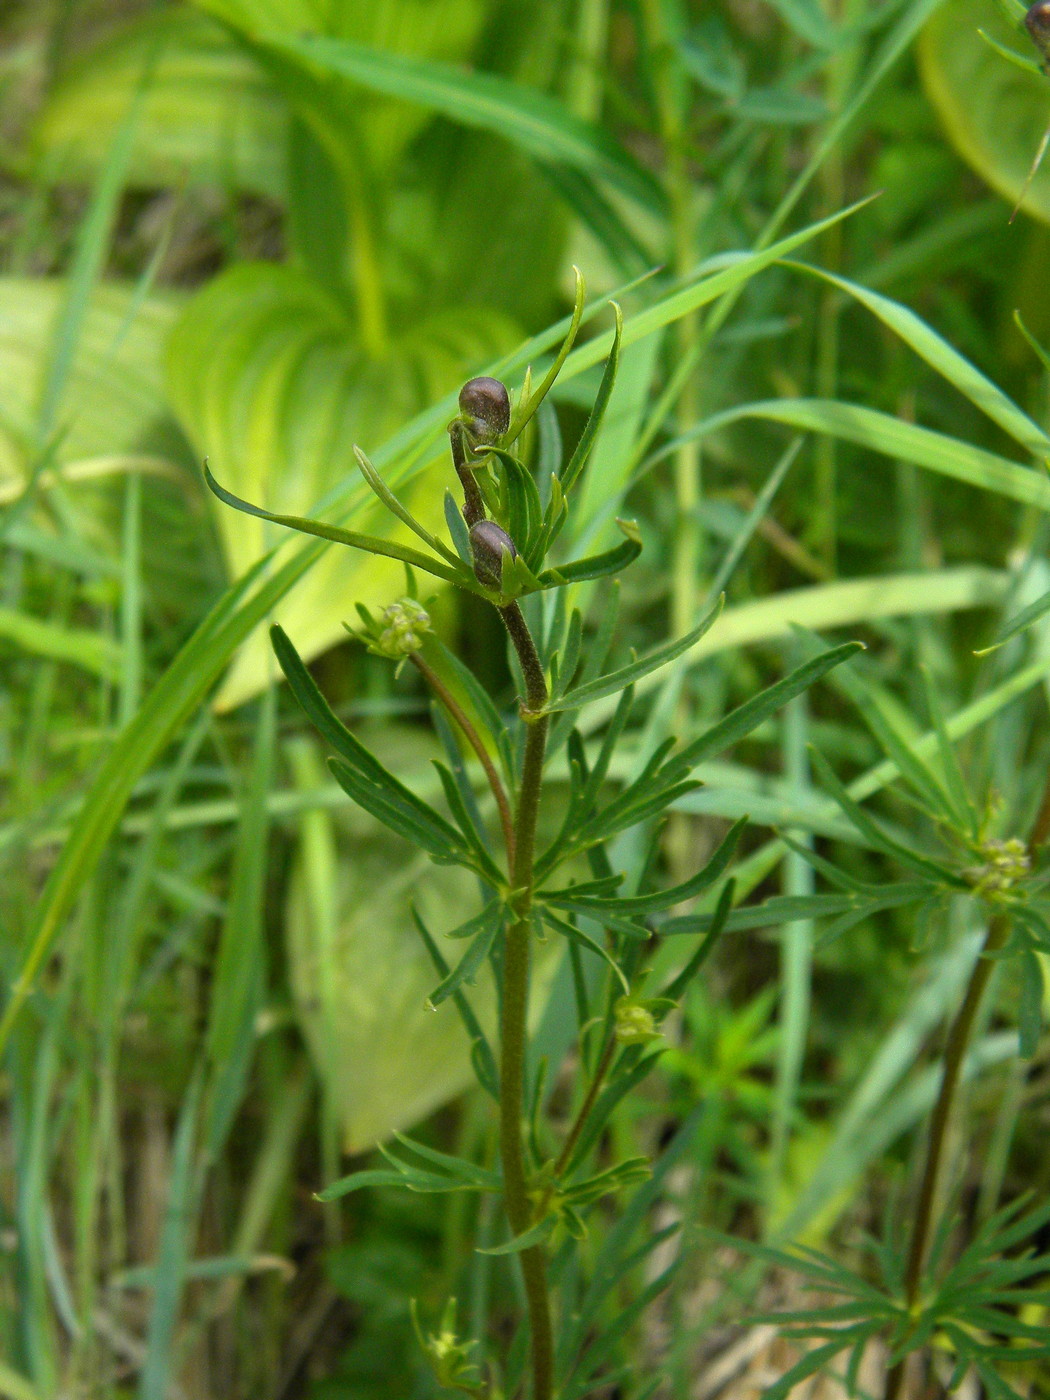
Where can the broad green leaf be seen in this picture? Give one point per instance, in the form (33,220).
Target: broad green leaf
(114,396)
(210,116)
(272,386)
(417,29)
(994,112)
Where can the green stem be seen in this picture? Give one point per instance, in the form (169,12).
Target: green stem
(515,1003)
(954,1056)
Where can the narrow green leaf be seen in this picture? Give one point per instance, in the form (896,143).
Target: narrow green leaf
(967,814)
(14,1386)
(612,561)
(158,1366)
(402,512)
(677,986)
(890,437)
(947,361)
(474,837)
(1024,619)
(535,1235)
(570,930)
(618,680)
(662,899)
(457,529)
(476,923)
(578,460)
(405,815)
(358,772)
(481,1051)
(78,646)
(371,544)
(748,716)
(874,833)
(421,1182)
(471,961)
(523,415)
(455,1166)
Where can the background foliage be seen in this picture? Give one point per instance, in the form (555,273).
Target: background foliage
(263,232)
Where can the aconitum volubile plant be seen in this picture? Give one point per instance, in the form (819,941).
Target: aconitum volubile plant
(501,539)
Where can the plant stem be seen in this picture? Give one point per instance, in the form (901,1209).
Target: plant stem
(473,504)
(473,738)
(515,1003)
(954,1055)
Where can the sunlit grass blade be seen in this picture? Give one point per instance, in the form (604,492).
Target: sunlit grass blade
(1024,619)
(945,359)
(93,651)
(183,1184)
(889,437)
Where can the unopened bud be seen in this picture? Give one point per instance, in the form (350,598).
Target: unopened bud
(491,546)
(485,406)
(1037,22)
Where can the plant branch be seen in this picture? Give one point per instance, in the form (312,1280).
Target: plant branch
(473,738)
(954,1056)
(585,1108)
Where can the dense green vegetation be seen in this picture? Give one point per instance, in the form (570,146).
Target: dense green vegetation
(264,232)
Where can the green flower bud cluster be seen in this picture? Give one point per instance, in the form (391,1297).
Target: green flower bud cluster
(403,627)
(1005,863)
(635,1023)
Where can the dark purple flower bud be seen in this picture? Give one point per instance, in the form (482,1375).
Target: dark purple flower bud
(490,546)
(485,406)
(1037,22)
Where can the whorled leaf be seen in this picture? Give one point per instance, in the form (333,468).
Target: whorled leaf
(209,117)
